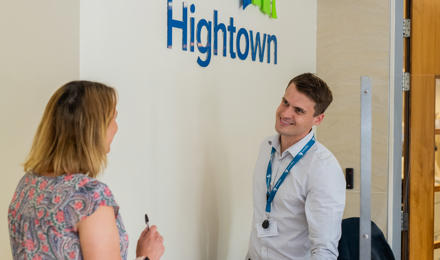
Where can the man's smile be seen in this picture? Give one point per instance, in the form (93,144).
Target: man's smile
(286,122)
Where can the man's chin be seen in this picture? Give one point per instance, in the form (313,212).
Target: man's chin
(281,132)
(282,129)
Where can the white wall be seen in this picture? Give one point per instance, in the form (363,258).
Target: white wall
(39,51)
(188,136)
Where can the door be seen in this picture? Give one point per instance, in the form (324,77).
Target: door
(424,65)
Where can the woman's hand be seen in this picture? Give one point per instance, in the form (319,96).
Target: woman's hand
(150,244)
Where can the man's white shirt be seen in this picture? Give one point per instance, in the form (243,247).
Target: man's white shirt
(307,208)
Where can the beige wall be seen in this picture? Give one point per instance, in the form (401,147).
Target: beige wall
(39,51)
(352,41)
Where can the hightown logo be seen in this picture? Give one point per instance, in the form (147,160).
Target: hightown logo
(203,34)
(266,6)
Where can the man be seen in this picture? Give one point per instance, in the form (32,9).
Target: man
(299,187)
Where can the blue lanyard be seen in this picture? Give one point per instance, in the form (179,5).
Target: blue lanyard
(270,194)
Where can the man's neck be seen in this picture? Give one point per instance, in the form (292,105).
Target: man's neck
(288,141)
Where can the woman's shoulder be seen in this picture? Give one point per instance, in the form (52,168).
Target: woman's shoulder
(68,184)
(69,188)
(86,194)
(85,184)
(93,193)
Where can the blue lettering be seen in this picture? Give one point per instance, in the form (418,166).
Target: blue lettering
(207,48)
(191,22)
(272,38)
(258,46)
(242,55)
(177,24)
(218,27)
(231,29)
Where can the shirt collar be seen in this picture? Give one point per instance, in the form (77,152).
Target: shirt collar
(292,150)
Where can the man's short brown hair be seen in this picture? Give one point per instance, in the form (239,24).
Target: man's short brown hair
(315,88)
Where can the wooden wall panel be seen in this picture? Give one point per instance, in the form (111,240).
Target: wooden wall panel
(421,191)
(425,37)
(425,65)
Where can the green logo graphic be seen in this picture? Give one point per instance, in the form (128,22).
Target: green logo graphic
(266,6)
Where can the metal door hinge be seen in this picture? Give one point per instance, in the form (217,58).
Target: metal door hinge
(404,221)
(406,28)
(406,81)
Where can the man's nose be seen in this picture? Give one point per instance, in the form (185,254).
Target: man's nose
(287,112)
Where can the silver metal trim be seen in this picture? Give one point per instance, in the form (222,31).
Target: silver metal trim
(406,81)
(406,28)
(396,160)
(404,220)
(365,203)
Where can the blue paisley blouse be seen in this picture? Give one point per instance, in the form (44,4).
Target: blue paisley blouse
(44,211)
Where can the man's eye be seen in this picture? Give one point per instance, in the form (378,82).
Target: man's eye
(285,102)
(299,111)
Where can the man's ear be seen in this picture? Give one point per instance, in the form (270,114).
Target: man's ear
(318,119)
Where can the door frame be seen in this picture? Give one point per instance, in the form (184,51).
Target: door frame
(395,128)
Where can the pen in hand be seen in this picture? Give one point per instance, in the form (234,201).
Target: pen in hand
(150,243)
(146,221)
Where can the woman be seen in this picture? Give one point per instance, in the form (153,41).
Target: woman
(59,210)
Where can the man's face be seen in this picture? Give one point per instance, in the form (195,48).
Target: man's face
(295,115)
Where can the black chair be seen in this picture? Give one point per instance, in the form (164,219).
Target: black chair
(349,243)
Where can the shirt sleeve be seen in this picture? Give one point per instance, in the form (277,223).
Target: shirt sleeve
(90,195)
(324,208)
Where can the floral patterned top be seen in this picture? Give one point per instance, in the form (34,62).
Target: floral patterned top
(44,211)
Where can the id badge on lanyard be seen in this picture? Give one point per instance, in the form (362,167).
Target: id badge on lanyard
(270,193)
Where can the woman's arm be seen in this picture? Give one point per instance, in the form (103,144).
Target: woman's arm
(98,235)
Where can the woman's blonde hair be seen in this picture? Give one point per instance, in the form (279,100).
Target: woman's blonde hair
(71,137)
